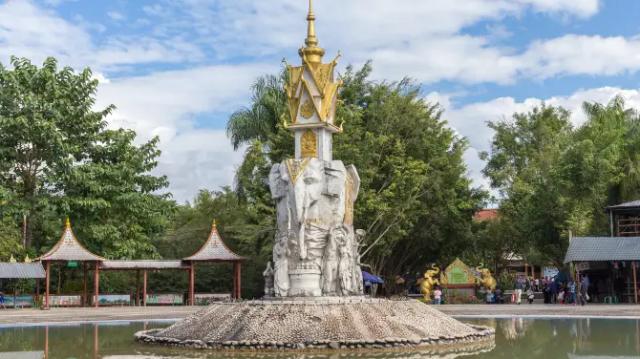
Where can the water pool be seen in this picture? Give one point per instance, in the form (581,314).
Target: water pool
(515,338)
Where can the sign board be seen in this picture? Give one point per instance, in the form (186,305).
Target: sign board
(65,300)
(72,264)
(210,298)
(549,272)
(21,301)
(458,273)
(164,299)
(113,299)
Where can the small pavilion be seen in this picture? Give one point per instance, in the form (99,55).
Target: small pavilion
(214,251)
(69,249)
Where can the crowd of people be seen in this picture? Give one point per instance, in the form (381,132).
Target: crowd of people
(554,291)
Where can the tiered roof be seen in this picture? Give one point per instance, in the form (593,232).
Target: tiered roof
(214,249)
(69,248)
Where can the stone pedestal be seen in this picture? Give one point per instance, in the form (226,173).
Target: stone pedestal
(305,283)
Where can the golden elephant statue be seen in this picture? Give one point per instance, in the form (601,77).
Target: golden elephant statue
(486,280)
(429,281)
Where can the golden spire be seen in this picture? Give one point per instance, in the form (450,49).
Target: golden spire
(213,224)
(67,223)
(312,53)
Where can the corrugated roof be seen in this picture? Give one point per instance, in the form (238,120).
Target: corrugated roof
(593,249)
(214,249)
(69,248)
(143,264)
(631,204)
(21,270)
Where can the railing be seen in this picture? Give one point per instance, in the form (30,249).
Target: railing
(629,226)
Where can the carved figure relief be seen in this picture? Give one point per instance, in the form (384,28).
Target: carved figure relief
(309,144)
(306,110)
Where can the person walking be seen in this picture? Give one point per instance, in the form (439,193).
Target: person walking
(584,290)
(2,301)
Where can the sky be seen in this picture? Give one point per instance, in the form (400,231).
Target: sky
(178,68)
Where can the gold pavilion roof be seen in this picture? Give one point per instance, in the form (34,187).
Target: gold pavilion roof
(214,249)
(69,248)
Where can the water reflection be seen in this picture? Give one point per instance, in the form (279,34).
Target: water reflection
(565,338)
(515,338)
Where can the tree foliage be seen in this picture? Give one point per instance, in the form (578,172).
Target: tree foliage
(58,158)
(555,178)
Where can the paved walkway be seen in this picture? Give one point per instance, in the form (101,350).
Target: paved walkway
(62,315)
(541,310)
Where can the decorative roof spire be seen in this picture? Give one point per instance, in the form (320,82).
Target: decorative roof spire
(213,224)
(312,53)
(67,223)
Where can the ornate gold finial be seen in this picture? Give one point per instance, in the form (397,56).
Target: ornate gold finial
(311,53)
(27,259)
(213,224)
(12,259)
(67,223)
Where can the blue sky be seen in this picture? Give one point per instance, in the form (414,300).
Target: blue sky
(178,68)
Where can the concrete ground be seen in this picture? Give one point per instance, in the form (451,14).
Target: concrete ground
(64,315)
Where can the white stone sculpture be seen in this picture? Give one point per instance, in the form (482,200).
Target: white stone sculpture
(316,251)
(268,281)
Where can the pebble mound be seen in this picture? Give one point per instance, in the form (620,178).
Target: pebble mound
(321,324)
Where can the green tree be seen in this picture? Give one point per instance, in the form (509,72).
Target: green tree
(555,178)
(58,158)
(9,240)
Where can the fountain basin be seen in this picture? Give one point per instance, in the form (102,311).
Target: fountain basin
(319,323)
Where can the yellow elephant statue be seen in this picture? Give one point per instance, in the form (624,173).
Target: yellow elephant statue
(486,280)
(429,281)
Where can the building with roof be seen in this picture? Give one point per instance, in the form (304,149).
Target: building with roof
(611,263)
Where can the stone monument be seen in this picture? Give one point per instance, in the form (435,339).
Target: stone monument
(316,248)
(314,290)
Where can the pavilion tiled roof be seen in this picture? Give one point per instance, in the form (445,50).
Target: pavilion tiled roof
(596,249)
(143,264)
(69,248)
(214,249)
(626,205)
(21,270)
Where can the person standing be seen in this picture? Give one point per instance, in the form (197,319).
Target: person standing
(519,287)
(572,292)
(437,296)
(2,301)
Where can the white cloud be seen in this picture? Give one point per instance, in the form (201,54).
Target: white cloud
(163,104)
(471,120)
(30,31)
(584,55)
(423,39)
(115,15)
